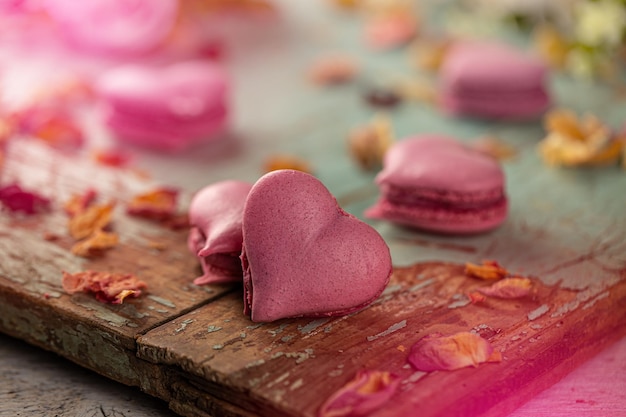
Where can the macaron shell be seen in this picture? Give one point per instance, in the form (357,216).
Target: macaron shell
(439,162)
(303,255)
(114,26)
(167,108)
(216,215)
(184,89)
(436,183)
(490,66)
(521,106)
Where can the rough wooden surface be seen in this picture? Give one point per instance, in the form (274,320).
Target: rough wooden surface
(290,367)
(34,305)
(565,229)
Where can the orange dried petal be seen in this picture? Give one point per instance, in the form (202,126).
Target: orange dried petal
(95,217)
(278,162)
(514,287)
(368,391)
(97,242)
(494,147)
(111,157)
(369,143)
(158,204)
(488,270)
(476,297)
(80,201)
(436,352)
(107,287)
(333,70)
(565,123)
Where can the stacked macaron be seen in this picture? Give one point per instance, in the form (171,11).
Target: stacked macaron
(169,108)
(301,254)
(435,183)
(492,80)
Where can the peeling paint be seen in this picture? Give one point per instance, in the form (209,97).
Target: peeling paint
(255,363)
(279,379)
(391,329)
(163,301)
(538,312)
(102,312)
(183,325)
(213,328)
(461,301)
(600,296)
(309,327)
(297,384)
(278,330)
(423,284)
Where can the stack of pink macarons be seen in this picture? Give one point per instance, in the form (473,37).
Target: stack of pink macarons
(301,254)
(165,108)
(493,81)
(436,183)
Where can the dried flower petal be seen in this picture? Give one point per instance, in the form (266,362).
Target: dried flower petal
(86,222)
(390,31)
(436,352)
(515,287)
(578,142)
(80,201)
(112,157)
(56,127)
(428,54)
(552,46)
(494,147)
(95,244)
(487,270)
(16,199)
(368,391)
(107,287)
(158,204)
(277,162)
(333,70)
(369,143)
(476,297)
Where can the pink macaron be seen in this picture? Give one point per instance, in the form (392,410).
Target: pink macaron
(303,255)
(435,183)
(215,216)
(169,108)
(493,81)
(114,27)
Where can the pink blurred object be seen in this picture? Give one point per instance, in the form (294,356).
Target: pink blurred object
(16,199)
(494,81)
(125,27)
(167,109)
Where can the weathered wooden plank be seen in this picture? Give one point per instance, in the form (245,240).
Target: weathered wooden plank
(289,367)
(33,305)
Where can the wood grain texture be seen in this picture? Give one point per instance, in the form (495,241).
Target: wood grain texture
(33,304)
(288,368)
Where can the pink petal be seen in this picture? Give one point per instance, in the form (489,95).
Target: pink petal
(15,199)
(514,287)
(436,352)
(368,391)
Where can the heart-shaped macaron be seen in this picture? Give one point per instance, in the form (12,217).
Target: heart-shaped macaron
(215,216)
(436,183)
(166,108)
(303,255)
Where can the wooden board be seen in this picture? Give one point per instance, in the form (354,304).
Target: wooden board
(193,347)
